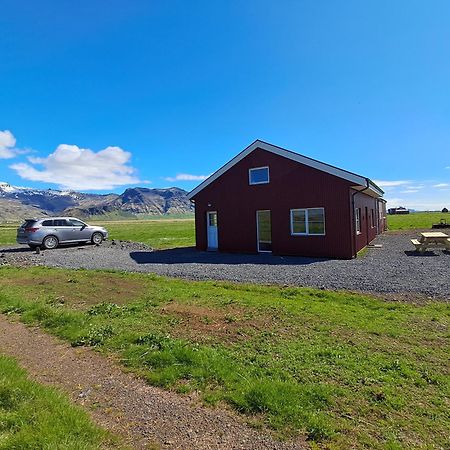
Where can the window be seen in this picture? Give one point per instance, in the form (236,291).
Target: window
(310,221)
(47,223)
(212,219)
(372,218)
(28,224)
(258,175)
(358,220)
(77,223)
(61,223)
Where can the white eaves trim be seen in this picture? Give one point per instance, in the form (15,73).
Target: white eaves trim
(359,181)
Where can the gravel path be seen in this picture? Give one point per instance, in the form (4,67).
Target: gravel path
(124,404)
(392,269)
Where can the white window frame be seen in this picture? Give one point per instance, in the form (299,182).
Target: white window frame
(358,220)
(259,182)
(307,222)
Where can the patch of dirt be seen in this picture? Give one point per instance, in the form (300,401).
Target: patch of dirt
(143,415)
(411,298)
(202,324)
(77,290)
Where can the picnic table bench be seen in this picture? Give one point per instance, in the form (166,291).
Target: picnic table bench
(431,239)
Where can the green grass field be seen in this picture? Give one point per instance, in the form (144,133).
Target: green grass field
(415,220)
(7,234)
(179,232)
(36,417)
(159,234)
(346,370)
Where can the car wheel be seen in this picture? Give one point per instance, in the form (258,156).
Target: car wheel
(97,238)
(50,242)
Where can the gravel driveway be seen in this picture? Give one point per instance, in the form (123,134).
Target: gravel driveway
(393,268)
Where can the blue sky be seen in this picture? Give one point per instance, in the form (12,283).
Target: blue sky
(104,94)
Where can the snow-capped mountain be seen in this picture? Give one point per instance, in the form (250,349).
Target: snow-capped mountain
(17,201)
(51,199)
(7,189)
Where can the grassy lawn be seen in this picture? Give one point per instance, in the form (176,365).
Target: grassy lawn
(36,417)
(347,370)
(415,220)
(159,234)
(8,234)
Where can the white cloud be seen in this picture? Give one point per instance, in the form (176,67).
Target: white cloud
(441,185)
(409,191)
(394,202)
(187,177)
(387,183)
(72,167)
(7,143)
(448,167)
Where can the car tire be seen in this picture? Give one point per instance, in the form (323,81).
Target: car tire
(50,242)
(97,238)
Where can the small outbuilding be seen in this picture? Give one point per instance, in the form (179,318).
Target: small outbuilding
(399,210)
(269,199)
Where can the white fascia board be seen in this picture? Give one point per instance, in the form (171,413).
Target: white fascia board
(376,188)
(368,191)
(340,173)
(223,169)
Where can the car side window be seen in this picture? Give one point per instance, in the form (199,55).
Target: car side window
(62,223)
(47,223)
(77,223)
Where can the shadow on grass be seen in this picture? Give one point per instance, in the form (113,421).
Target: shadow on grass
(189,255)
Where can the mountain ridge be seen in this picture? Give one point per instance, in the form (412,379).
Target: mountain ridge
(17,201)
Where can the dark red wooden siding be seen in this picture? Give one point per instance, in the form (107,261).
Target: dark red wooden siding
(292,185)
(368,206)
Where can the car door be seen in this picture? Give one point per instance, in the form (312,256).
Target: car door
(80,230)
(62,230)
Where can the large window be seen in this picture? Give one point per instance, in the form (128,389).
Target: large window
(308,221)
(258,175)
(358,220)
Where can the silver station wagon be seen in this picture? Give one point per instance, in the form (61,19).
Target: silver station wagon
(49,232)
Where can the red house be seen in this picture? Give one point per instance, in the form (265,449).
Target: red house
(269,199)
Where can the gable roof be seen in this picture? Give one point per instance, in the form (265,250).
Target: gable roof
(360,182)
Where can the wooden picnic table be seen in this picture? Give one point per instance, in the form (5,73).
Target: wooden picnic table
(431,239)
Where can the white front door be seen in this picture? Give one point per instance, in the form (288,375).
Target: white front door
(211,221)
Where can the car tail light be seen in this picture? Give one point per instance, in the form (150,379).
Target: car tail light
(31,230)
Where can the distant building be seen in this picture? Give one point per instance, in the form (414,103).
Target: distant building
(399,210)
(444,210)
(269,199)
